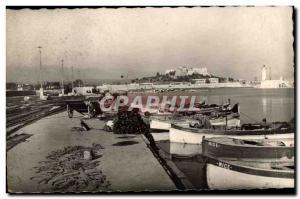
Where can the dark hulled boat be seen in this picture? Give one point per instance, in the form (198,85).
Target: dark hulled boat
(225,147)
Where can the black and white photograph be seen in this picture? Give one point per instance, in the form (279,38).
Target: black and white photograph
(150,99)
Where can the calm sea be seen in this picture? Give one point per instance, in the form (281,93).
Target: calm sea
(255,104)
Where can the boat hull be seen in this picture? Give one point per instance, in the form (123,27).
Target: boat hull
(160,136)
(211,147)
(185,135)
(218,174)
(222,122)
(184,150)
(159,125)
(165,125)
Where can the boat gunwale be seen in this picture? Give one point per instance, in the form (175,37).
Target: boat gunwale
(204,140)
(165,120)
(180,120)
(251,170)
(233,131)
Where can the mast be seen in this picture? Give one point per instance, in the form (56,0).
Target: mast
(79,77)
(62,79)
(41,81)
(72,79)
(226,118)
(41,75)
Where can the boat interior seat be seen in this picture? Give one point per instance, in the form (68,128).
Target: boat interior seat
(259,143)
(275,143)
(291,167)
(252,142)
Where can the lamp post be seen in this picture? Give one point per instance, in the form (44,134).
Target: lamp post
(62,78)
(41,76)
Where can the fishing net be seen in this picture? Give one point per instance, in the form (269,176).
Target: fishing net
(130,122)
(72,169)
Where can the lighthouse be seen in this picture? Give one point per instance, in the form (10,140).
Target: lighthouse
(264,73)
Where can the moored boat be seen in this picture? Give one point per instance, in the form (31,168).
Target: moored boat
(163,122)
(224,174)
(211,109)
(183,133)
(231,121)
(234,122)
(157,124)
(225,147)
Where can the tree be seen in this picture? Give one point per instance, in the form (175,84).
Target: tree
(11,86)
(78,83)
(68,88)
(172,73)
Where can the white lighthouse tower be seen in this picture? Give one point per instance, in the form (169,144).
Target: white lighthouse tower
(264,73)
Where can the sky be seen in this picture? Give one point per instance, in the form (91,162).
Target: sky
(107,43)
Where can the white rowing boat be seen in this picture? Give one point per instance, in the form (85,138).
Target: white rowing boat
(163,123)
(223,174)
(183,133)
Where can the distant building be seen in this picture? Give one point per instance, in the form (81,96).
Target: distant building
(267,82)
(275,84)
(25,87)
(199,81)
(87,90)
(213,80)
(242,81)
(201,71)
(146,85)
(184,71)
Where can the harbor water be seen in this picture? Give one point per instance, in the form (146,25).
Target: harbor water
(255,104)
